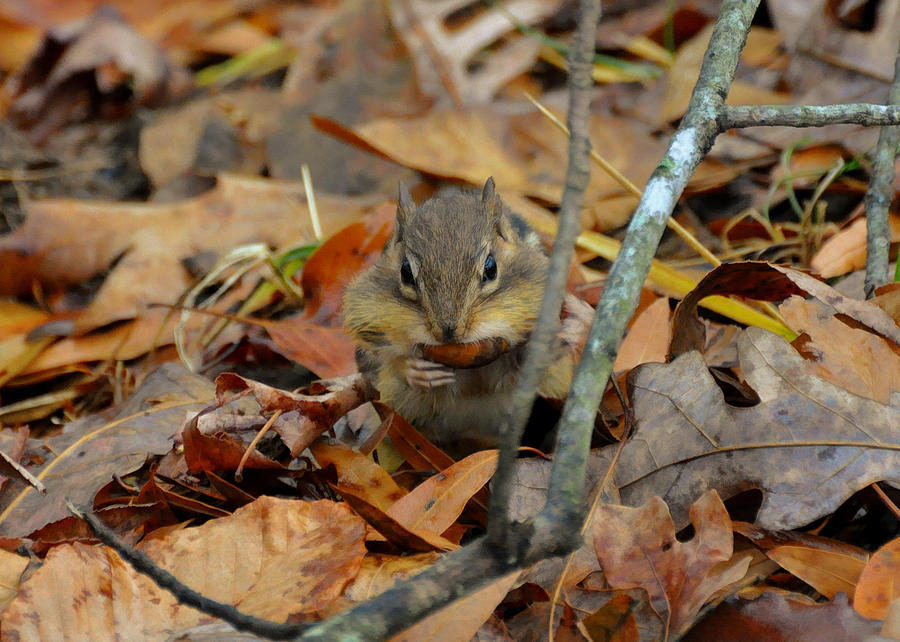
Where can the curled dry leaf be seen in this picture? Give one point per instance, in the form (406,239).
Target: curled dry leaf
(768,282)
(879,582)
(273,559)
(637,548)
(309,414)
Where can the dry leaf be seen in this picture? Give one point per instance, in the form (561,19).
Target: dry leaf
(648,338)
(808,445)
(849,357)
(442,54)
(683,74)
(846,251)
(879,582)
(637,548)
(460,620)
(829,566)
(91,449)
(151,240)
(436,503)
(780,617)
(273,558)
(360,473)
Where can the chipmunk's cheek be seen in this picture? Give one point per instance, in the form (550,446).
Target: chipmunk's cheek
(490,329)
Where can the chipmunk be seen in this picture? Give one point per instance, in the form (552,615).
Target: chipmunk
(458,269)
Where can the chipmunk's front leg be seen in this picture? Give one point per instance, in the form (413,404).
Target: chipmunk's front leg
(427,375)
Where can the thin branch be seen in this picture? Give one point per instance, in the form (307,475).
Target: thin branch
(142,563)
(543,338)
(740,116)
(698,129)
(879,196)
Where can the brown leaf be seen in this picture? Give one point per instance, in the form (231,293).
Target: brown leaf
(11,568)
(614,622)
(648,338)
(460,620)
(767,282)
(415,448)
(315,338)
(306,416)
(443,54)
(829,566)
(86,62)
(807,445)
(404,538)
(437,502)
(879,582)
(93,448)
(524,153)
(849,357)
(273,559)
(846,251)
(637,548)
(377,574)
(150,241)
(683,76)
(779,617)
(358,472)
(217,451)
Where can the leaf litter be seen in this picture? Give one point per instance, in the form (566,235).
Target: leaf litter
(256,496)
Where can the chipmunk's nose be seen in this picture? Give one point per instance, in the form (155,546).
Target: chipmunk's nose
(449,333)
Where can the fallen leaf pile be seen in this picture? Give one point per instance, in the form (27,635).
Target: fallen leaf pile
(188,188)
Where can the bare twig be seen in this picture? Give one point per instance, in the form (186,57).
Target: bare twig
(563,511)
(184,594)
(538,353)
(878,197)
(740,116)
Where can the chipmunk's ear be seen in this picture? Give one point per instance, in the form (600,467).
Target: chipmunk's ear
(406,207)
(495,211)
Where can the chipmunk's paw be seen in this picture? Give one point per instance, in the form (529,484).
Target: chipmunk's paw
(426,375)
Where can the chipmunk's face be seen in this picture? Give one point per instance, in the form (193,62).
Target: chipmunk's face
(469,272)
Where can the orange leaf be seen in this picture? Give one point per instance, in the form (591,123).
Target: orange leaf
(879,582)
(436,503)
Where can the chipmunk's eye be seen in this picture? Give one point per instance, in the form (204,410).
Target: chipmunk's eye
(406,275)
(490,269)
